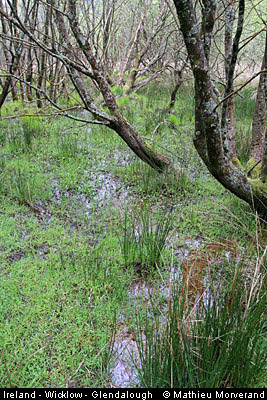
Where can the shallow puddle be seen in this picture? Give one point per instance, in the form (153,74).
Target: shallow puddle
(127,362)
(124,372)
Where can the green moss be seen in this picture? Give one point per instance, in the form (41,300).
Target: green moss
(236,163)
(133,71)
(255,173)
(258,187)
(129,82)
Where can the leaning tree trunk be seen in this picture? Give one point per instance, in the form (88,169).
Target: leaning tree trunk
(8,82)
(93,69)
(208,139)
(114,120)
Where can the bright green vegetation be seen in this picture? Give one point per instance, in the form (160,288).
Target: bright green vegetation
(144,239)
(81,219)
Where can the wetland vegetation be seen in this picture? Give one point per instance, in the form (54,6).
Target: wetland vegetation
(133,197)
(94,256)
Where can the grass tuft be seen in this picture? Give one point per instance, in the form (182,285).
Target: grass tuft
(216,343)
(144,238)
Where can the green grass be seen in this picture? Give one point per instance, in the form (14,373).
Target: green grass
(216,343)
(148,183)
(144,239)
(79,216)
(55,316)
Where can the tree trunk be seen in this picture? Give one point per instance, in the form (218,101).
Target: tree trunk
(179,83)
(12,61)
(175,91)
(228,123)
(22,87)
(14,90)
(263,172)
(29,75)
(208,139)
(114,120)
(259,115)
(43,60)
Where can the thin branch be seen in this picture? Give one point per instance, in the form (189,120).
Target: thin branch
(52,52)
(240,88)
(63,111)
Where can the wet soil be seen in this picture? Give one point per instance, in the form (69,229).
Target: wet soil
(127,363)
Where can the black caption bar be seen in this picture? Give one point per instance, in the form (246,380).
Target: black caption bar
(128,394)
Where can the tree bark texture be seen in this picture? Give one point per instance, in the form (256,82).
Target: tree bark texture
(259,115)
(263,171)
(228,122)
(208,139)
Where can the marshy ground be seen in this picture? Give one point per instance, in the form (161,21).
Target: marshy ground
(93,243)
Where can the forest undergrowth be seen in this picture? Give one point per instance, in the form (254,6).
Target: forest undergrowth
(83,222)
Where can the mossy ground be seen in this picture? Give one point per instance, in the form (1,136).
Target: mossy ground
(64,189)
